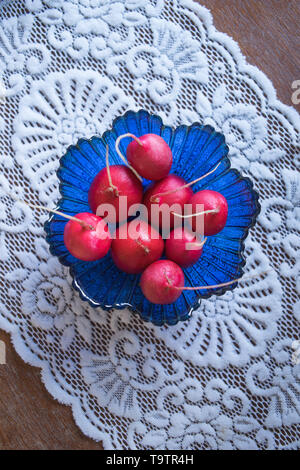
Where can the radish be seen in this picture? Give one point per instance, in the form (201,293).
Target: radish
(149,155)
(160,282)
(163,282)
(87,241)
(215,211)
(168,192)
(136,245)
(86,236)
(183,247)
(110,184)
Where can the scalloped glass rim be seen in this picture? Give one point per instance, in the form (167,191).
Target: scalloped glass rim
(184,315)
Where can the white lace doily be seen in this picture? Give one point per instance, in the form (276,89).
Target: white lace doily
(229,378)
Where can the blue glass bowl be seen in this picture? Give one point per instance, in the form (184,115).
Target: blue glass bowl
(196,150)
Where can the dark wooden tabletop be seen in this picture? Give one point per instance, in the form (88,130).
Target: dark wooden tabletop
(267,32)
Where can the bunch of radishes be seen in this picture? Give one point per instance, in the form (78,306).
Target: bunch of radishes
(87,235)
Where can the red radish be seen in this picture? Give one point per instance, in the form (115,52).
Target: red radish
(215,211)
(135,246)
(159,282)
(109,185)
(183,247)
(170,191)
(149,155)
(86,243)
(86,236)
(163,282)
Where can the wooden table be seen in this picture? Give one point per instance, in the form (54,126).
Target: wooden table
(267,32)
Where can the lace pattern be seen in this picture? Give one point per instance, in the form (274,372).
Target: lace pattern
(229,378)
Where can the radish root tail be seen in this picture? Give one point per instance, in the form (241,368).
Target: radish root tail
(122,156)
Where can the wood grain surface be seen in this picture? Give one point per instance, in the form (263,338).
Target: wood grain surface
(267,32)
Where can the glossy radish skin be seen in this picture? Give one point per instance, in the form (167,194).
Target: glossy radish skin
(159,280)
(86,244)
(177,247)
(213,223)
(153,159)
(181,196)
(132,255)
(125,184)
